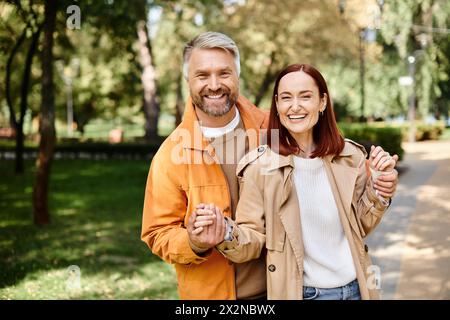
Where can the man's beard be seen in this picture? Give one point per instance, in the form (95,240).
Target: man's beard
(208,106)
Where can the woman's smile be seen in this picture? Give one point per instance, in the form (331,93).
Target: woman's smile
(297,118)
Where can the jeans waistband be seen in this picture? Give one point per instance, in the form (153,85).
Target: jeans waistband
(350,284)
(350,291)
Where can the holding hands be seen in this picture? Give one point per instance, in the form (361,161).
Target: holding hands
(384,176)
(206,226)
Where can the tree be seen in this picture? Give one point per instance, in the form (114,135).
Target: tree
(272,34)
(46,120)
(129,33)
(148,78)
(24,97)
(415,28)
(33,26)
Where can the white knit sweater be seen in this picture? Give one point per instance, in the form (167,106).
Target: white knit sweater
(328,261)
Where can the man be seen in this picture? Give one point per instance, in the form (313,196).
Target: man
(196,164)
(185,172)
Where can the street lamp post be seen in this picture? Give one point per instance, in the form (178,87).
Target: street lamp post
(68,81)
(410,81)
(412,60)
(366,34)
(412,99)
(67,75)
(362,69)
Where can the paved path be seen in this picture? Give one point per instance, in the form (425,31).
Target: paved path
(412,243)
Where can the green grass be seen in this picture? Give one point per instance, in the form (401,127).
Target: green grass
(96,212)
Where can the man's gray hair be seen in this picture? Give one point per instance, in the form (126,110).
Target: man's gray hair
(211,40)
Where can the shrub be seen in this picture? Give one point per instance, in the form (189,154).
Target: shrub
(427,132)
(390,138)
(77,149)
(423,131)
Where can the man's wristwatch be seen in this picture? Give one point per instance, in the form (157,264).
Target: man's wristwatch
(228,231)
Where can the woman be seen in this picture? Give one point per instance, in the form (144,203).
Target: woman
(306,199)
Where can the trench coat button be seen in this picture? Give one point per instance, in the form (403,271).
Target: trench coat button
(226,209)
(366,248)
(272,268)
(260,149)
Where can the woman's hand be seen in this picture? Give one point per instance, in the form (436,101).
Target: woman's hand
(381,160)
(384,175)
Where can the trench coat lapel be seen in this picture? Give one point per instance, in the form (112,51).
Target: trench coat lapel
(289,216)
(342,181)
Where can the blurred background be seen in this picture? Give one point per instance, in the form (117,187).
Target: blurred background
(89,90)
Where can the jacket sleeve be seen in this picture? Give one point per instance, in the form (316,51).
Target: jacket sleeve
(163,216)
(369,207)
(249,228)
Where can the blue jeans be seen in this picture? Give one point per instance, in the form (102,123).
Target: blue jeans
(348,292)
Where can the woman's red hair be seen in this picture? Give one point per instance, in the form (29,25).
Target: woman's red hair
(326,134)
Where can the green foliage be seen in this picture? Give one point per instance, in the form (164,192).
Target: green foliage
(424,131)
(269,34)
(99,149)
(273,34)
(406,26)
(178,22)
(429,132)
(96,220)
(390,138)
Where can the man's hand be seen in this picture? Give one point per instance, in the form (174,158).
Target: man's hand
(387,184)
(384,175)
(206,226)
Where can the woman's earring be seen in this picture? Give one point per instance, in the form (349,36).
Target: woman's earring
(324,107)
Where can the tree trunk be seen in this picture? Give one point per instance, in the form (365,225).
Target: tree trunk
(148,78)
(24,99)
(12,114)
(46,121)
(179,106)
(268,78)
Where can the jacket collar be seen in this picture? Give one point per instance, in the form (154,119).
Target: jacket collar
(251,116)
(348,151)
(342,178)
(288,161)
(280,161)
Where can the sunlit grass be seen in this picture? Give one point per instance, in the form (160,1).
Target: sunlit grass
(96,217)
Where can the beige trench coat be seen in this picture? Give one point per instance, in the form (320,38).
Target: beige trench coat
(268,219)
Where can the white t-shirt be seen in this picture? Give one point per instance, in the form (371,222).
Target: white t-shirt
(217,132)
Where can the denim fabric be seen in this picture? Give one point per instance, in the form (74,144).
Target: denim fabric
(348,292)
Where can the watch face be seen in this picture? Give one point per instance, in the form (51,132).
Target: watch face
(228,236)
